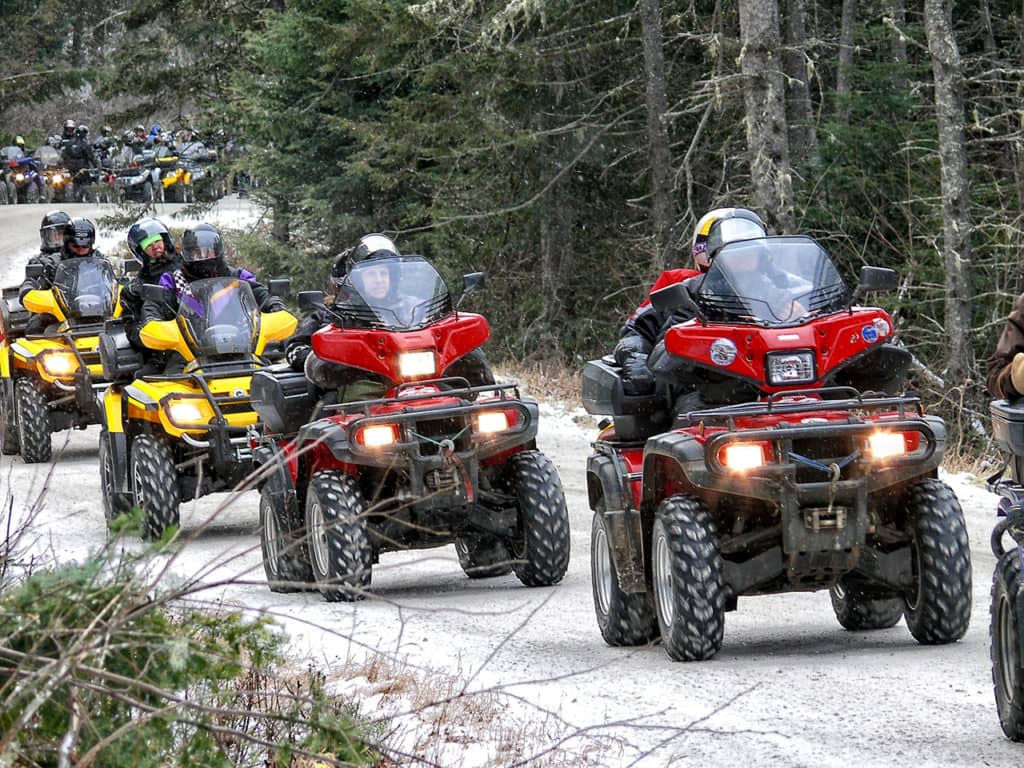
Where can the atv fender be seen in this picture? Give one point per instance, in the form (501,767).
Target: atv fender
(276,479)
(606,478)
(112,419)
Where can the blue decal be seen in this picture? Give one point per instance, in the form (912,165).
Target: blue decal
(869,333)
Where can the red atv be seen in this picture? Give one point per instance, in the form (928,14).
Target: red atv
(429,460)
(798,469)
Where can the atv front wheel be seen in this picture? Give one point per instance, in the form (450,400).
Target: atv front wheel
(624,619)
(33,419)
(857,612)
(339,543)
(686,569)
(155,485)
(540,549)
(1005,644)
(8,428)
(482,556)
(114,504)
(939,609)
(285,557)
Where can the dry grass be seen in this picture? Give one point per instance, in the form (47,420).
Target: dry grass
(547,381)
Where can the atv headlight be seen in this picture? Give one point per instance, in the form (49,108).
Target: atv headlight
(19,177)
(58,364)
(490,422)
(742,457)
(886,445)
(188,412)
(377,435)
(413,365)
(791,367)
(57,178)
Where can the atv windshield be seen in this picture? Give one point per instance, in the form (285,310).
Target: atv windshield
(398,293)
(85,289)
(771,281)
(220,318)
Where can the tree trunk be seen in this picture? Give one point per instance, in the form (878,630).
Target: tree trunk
(663,209)
(765,97)
(956,244)
(845,63)
(803,136)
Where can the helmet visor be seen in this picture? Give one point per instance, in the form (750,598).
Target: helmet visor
(203,246)
(729,230)
(52,236)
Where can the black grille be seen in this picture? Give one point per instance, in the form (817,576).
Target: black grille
(437,430)
(825,451)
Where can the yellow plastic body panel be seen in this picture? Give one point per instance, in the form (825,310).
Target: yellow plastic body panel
(158,390)
(42,303)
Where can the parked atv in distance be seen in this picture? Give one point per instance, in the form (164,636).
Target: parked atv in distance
(791,473)
(50,380)
(29,181)
(176,436)
(427,461)
(1006,631)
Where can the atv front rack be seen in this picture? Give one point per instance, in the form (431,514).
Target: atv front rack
(853,400)
(504,392)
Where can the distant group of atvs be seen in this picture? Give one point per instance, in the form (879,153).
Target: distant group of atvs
(139,167)
(813,480)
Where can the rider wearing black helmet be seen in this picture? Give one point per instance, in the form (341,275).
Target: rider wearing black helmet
(203,256)
(61,237)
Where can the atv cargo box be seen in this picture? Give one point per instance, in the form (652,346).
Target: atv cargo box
(283,398)
(636,417)
(1008,425)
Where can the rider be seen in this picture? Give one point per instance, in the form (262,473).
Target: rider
(376,282)
(647,325)
(202,257)
(78,153)
(150,242)
(77,238)
(68,133)
(1005,377)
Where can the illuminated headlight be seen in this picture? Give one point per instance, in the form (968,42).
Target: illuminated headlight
(57,178)
(415,364)
(19,177)
(191,412)
(741,457)
(377,435)
(58,363)
(489,422)
(791,367)
(886,445)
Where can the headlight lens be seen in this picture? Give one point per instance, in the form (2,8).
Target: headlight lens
(742,457)
(490,422)
(188,412)
(791,367)
(886,445)
(377,435)
(413,365)
(58,364)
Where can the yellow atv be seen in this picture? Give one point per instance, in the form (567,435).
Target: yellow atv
(50,381)
(177,436)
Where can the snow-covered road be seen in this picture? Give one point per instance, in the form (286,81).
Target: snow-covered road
(789,688)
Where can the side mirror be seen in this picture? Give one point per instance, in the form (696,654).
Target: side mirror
(131,267)
(471,283)
(880,279)
(279,286)
(34,270)
(474,281)
(310,300)
(152,292)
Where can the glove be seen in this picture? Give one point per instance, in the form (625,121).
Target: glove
(637,378)
(1017,372)
(296,356)
(275,305)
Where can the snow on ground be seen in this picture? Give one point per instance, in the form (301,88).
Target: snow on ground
(487,672)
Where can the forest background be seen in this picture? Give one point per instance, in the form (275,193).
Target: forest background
(568,147)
